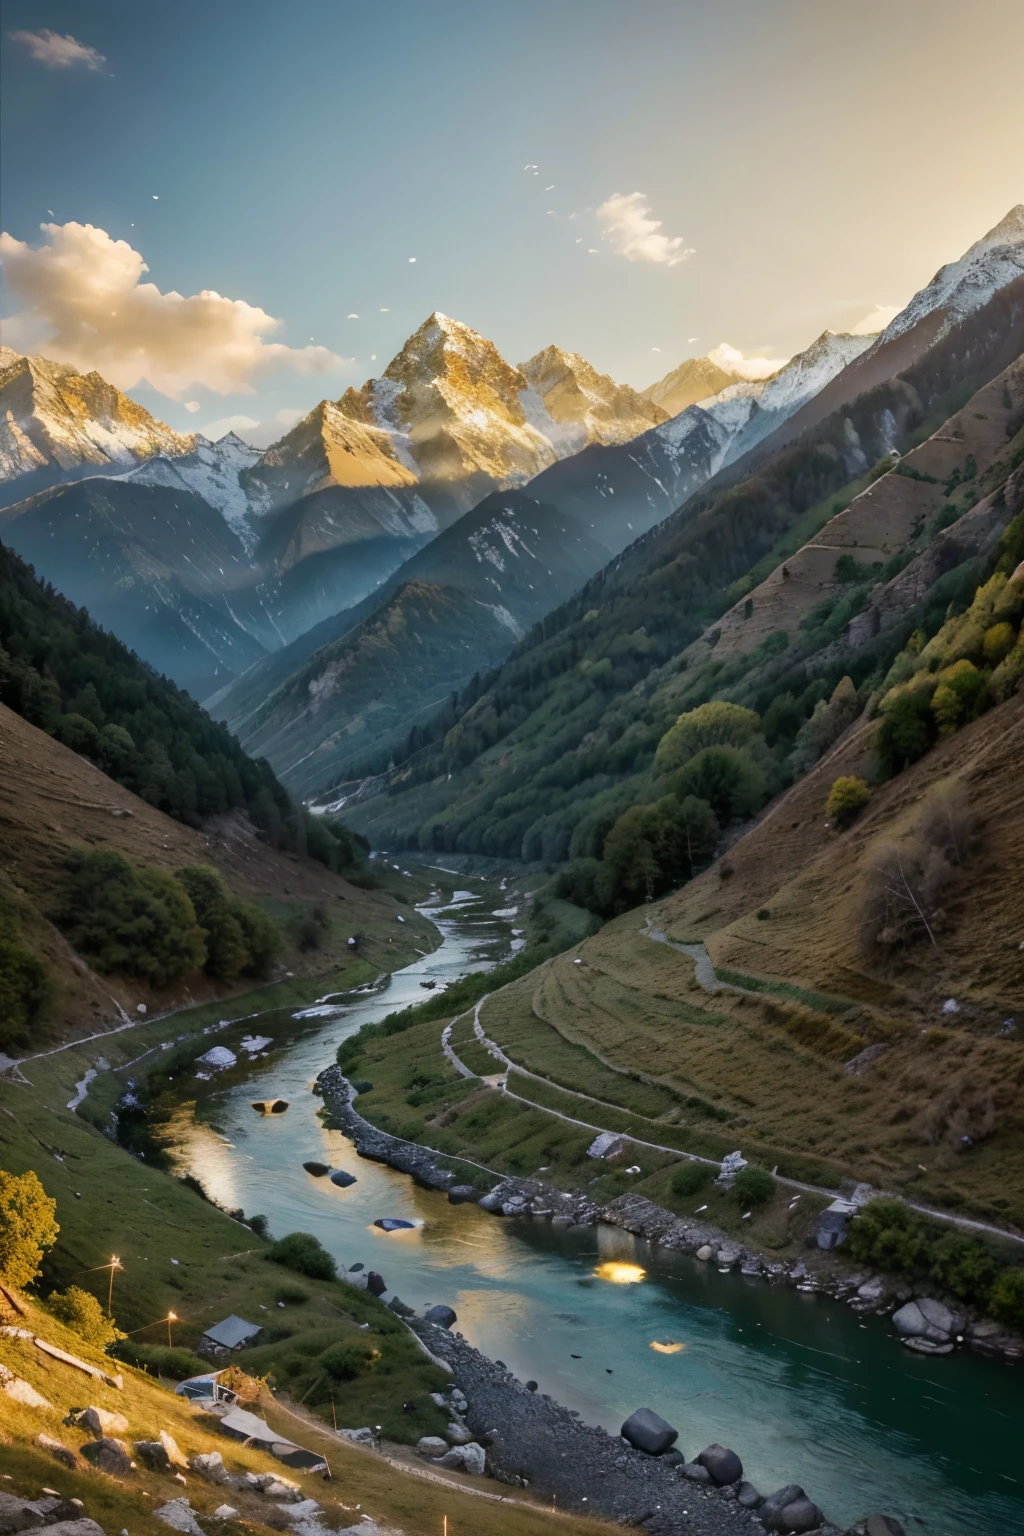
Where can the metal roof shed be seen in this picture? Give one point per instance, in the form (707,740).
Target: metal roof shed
(232,1333)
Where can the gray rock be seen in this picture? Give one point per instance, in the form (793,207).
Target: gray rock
(108,1455)
(928,1346)
(17,1514)
(375,1284)
(364,1436)
(56,1510)
(458,1434)
(103,1423)
(153,1454)
(460,1194)
(649,1432)
(79,1527)
(491,1202)
(58,1450)
(431,1446)
(177,1513)
(800,1516)
(399,1307)
(871,1290)
(673,1458)
(471,1458)
(438,1398)
(316,1169)
(723,1464)
(729,1255)
(695,1473)
(936,1315)
(225,1512)
(443,1316)
(209,1465)
(748,1497)
(773,1506)
(305,1509)
(343,1179)
(460,1402)
(909,1321)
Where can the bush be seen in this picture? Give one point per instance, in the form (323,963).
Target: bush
(346,1362)
(1007,1299)
(162,1359)
(889,1235)
(291,1295)
(906,732)
(138,922)
(691,1178)
(726,778)
(26,987)
(260,1225)
(27,1226)
(710,725)
(847,797)
(305,1254)
(753,1187)
(81,1312)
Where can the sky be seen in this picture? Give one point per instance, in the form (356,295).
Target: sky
(639,183)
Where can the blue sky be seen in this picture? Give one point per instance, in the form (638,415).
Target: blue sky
(819,160)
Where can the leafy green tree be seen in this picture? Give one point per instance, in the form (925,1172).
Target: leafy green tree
(890,1235)
(347,1362)
(78,733)
(847,797)
(239,935)
(28,1226)
(725,778)
(138,922)
(998,642)
(80,1311)
(906,732)
(715,724)
(961,1265)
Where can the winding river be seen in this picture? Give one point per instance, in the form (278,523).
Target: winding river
(800,1386)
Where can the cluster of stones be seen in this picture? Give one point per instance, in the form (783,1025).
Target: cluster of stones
(458,1449)
(926,1325)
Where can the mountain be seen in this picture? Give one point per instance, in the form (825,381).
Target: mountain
(209,470)
(614,667)
(58,424)
(696,379)
(586,406)
(155,566)
(358,682)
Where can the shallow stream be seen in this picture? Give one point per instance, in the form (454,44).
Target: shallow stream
(797,1384)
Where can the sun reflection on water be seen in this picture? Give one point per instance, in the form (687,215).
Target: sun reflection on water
(620,1274)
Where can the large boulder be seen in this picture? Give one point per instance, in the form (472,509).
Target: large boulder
(56,1510)
(342,1178)
(461,1194)
(673,1458)
(58,1450)
(432,1446)
(103,1423)
(775,1503)
(316,1169)
(441,1315)
(375,1283)
(470,1458)
(108,1455)
(209,1465)
(747,1496)
(910,1322)
(695,1473)
(79,1527)
(492,1203)
(152,1455)
(17,1514)
(723,1464)
(649,1432)
(177,1513)
(458,1434)
(936,1315)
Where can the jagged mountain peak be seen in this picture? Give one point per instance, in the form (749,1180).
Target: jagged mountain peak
(695,379)
(584,405)
(963,286)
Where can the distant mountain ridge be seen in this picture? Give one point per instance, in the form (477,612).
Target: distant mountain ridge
(696,379)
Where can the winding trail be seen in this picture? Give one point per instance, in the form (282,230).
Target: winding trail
(964,1222)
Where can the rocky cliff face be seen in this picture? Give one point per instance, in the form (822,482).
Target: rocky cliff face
(58,424)
(697,379)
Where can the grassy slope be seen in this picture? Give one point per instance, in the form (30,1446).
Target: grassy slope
(55,802)
(766,1071)
(362,1483)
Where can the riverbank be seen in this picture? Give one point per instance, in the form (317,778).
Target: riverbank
(533,1441)
(510,1196)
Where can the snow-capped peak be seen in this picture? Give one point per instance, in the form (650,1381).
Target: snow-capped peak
(963,286)
(211,471)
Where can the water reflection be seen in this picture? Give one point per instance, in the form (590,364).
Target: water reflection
(797,1383)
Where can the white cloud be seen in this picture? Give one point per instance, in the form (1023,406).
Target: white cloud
(733,361)
(287,417)
(192,406)
(83,303)
(58,52)
(876,321)
(632,232)
(243,425)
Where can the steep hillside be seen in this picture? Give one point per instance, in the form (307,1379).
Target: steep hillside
(458,605)
(535,761)
(58,424)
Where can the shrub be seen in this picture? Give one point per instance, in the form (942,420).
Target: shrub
(27,1226)
(847,797)
(906,732)
(81,1312)
(710,725)
(889,1235)
(998,642)
(291,1295)
(346,1362)
(963,1266)
(165,1360)
(305,1254)
(1007,1299)
(726,778)
(753,1187)
(139,922)
(260,1225)
(239,936)
(691,1178)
